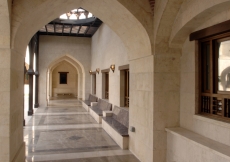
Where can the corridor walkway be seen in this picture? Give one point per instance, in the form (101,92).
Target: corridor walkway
(65,132)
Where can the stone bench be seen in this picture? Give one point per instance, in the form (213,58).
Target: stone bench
(63,94)
(87,103)
(97,108)
(116,124)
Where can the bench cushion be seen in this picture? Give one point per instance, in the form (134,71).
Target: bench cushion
(92,98)
(120,128)
(121,115)
(103,105)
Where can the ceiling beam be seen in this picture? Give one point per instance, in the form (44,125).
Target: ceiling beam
(71,29)
(79,30)
(46,30)
(86,31)
(64,34)
(90,26)
(54,27)
(63,29)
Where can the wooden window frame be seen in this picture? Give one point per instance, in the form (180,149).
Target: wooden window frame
(213,103)
(106,85)
(124,85)
(94,83)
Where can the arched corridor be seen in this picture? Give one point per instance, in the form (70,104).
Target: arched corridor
(152,73)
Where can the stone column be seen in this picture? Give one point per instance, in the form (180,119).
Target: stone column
(30,72)
(24,122)
(36,73)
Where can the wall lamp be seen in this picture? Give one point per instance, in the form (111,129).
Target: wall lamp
(90,72)
(97,70)
(112,67)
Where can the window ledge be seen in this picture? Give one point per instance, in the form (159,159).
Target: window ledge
(212,121)
(207,144)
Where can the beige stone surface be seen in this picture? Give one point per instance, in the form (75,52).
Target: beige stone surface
(76,51)
(184,145)
(192,14)
(141,108)
(210,128)
(159,93)
(107,49)
(72,84)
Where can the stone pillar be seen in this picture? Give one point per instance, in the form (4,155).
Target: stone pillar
(24,122)
(30,72)
(36,73)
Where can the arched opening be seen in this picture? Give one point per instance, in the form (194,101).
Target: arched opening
(79,80)
(64,80)
(138,51)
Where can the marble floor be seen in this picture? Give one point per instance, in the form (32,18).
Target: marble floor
(65,132)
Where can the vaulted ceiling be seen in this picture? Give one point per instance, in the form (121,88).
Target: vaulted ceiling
(152,4)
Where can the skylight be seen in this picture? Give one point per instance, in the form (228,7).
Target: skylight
(76,14)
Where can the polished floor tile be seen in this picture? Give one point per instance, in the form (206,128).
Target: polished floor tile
(65,132)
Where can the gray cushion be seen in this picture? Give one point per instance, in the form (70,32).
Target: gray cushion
(120,128)
(121,115)
(104,105)
(92,98)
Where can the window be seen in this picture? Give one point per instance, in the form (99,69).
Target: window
(106,85)
(126,81)
(94,83)
(124,85)
(63,77)
(214,74)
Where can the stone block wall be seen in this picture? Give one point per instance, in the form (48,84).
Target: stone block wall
(52,48)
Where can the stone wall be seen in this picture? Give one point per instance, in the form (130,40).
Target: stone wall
(52,48)
(107,49)
(71,86)
(215,130)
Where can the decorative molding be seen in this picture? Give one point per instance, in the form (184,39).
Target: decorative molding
(211,31)
(105,70)
(123,67)
(93,72)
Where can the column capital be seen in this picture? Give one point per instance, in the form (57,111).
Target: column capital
(36,73)
(30,72)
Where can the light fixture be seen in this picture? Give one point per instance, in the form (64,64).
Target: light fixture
(97,70)
(112,67)
(90,72)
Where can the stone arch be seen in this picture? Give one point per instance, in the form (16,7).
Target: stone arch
(132,33)
(75,63)
(191,16)
(51,91)
(138,46)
